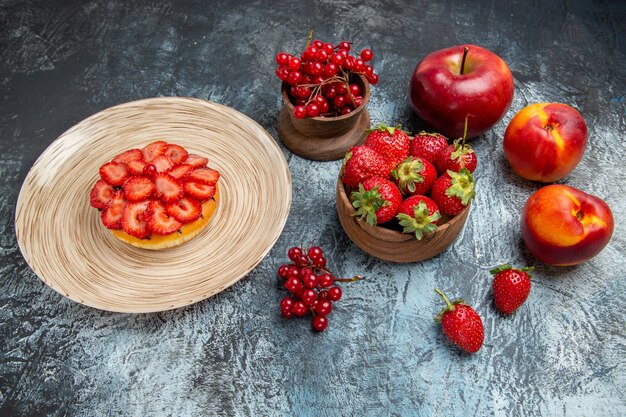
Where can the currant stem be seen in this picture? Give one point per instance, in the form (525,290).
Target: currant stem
(353,279)
(308,41)
(449,305)
(465,51)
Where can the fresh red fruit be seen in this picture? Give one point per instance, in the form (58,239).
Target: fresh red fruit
(282,58)
(299,309)
(176,153)
(361,163)
(414,176)
(308,297)
(100,194)
(367,55)
(199,191)
(427,146)
(372,78)
(167,188)
(138,188)
(334,293)
(113,173)
(136,167)
(418,214)
(283,271)
(162,163)
(159,222)
(310,280)
(130,155)
(185,210)
(196,161)
(391,142)
(294,253)
(461,324)
(453,191)
(204,175)
(324,308)
(314,252)
(286,307)
(299,112)
(377,201)
(134,220)
(456,157)
(180,171)
(320,323)
(293,285)
(149,170)
(112,215)
(153,150)
(325,280)
(344,45)
(511,287)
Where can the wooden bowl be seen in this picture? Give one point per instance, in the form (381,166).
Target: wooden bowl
(323,138)
(392,245)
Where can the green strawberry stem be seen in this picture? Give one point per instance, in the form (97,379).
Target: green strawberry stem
(465,51)
(383,127)
(506,267)
(449,305)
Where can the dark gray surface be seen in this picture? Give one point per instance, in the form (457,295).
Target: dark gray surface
(561,354)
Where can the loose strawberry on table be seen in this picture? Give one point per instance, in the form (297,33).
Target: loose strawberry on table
(461,324)
(377,201)
(511,287)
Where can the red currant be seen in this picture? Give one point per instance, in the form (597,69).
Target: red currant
(320,323)
(294,271)
(342,88)
(306,270)
(299,112)
(343,53)
(308,297)
(344,45)
(314,252)
(323,308)
(334,293)
(329,92)
(326,280)
(282,58)
(302,91)
(337,58)
(319,99)
(367,55)
(329,48)
(282,72)
(286,304)
(283,271)
(294,253)
(312,110)
(324,107)
(321,261)
(294,77)
(317,43)
(372,79)
(316,68)
(149,170)
(322,55)
(318,79)
(299,308)
(355,90)
(346,110)
(368,70)
(358,100)
(330,70)
(322,295)
(339,101)
(359,65)
(310,280)
(293,285)
(349,63)
(294,64)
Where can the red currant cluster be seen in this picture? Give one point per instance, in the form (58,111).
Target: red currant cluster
(312,286)
(321,80)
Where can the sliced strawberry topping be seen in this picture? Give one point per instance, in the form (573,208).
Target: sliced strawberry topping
(204,175)
(135,167)
(153,150)
(168,188)
(113,173)
(162,163)
(100,195)
(134,220)
(159,221)
(199,191)
(130,155)
(180,171)
(176,153)
(138,188)
(185,210)
(112,215)
(196,161)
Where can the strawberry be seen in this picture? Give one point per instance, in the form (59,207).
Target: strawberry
(112,215)
(362,162)
(130,155)
(196,161)
(136,167)
(204,175)
(185,210)
(180,171)
(461,324)
(511,287)
(455,157)
(453,191)
(391,142)
(377,201)
(159,222)
(167,188)
(418,214)
(199,191)
(153,150)
(138,188)
(427,146)
(134,220)
(100,195)
(415,176)
(176,153)
(162,163)
(113,173)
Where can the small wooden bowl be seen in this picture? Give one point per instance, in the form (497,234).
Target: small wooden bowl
(392,245)
(324,138)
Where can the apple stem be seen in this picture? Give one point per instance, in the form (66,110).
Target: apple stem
(465,51)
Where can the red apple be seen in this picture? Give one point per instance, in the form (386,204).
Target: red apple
(562,225)
(545,141)
(445,90)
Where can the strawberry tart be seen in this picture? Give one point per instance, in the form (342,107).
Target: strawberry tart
(156,197)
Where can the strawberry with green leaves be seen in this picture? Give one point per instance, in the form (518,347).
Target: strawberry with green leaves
(461,324)
(391,142)
(427,146)
(456,157)
(414,176)
(361,163)
(453,191)
(377,201)
(511,287)
(418,214)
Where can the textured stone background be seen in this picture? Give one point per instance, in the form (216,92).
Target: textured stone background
(562,354)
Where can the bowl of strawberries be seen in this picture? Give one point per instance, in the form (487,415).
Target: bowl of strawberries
(325,91)
(402,198)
